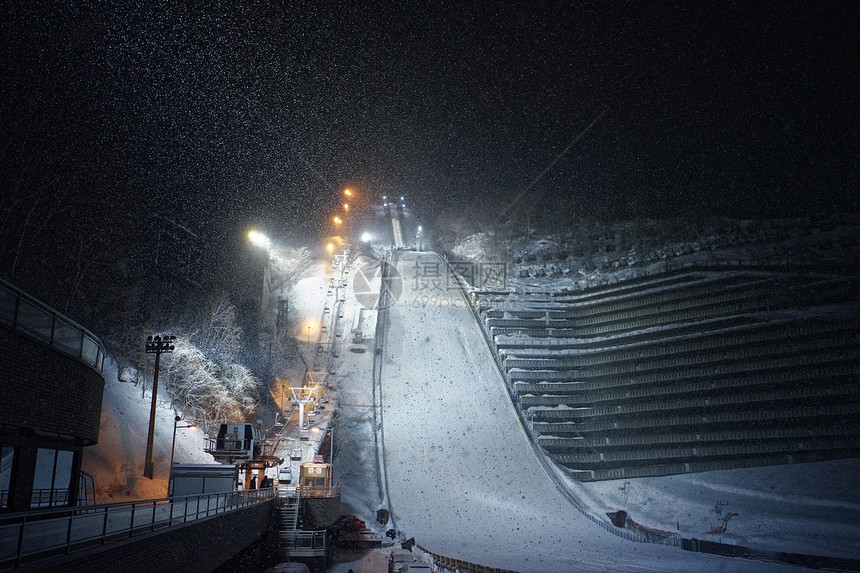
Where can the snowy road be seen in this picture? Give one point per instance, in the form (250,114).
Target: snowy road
(462,476)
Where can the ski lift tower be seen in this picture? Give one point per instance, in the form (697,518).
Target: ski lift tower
(303,395)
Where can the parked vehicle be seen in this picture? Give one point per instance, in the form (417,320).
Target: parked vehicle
(416,567)
(285,475)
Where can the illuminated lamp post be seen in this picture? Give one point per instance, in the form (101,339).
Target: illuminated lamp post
(173,444)
(259,239)
(158,346)
(348,194)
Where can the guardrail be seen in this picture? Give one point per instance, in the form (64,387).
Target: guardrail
(449,564)
(26,314)
(318,492)
(27,538)
(302,543)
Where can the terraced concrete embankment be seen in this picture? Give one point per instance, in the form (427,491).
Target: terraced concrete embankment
(685,372)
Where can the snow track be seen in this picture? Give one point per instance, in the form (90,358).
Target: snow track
(461,474)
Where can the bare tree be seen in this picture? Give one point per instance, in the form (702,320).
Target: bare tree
(88,255)
(220,336)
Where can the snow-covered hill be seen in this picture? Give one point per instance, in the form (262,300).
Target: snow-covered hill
(803,508)
(116,462)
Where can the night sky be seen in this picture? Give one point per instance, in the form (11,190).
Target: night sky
(249,113)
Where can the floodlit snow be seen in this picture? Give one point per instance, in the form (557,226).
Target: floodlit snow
(462,477)
(437,441)
(116,462)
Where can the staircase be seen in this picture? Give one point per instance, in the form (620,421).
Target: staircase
(287,537)
(288,513)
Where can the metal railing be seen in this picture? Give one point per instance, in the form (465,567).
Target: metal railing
(26,538)
(319,492)
(298,543)
(86,490)
(449,564)
(36,319)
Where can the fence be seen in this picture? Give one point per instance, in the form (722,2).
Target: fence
(460,566)
(297,543)
(26,538)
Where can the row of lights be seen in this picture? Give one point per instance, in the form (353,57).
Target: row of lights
(339,219)
(260,240)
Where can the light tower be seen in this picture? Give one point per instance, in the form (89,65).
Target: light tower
(158,346)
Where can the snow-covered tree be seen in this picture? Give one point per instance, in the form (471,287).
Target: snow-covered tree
(202,374)
(288,266)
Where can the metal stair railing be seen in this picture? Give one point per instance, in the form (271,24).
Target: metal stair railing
(289,513)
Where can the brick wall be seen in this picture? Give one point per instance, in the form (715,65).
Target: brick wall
(48,391)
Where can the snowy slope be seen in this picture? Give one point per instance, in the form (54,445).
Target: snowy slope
(460,474)
(116,462)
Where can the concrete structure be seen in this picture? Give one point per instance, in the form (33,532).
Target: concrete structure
(50,407)
(684,372)
(194,534)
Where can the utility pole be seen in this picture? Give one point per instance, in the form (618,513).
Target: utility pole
(155,345)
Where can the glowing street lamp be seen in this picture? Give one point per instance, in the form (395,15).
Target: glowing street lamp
(349,195)
(176,420)
(262,241)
